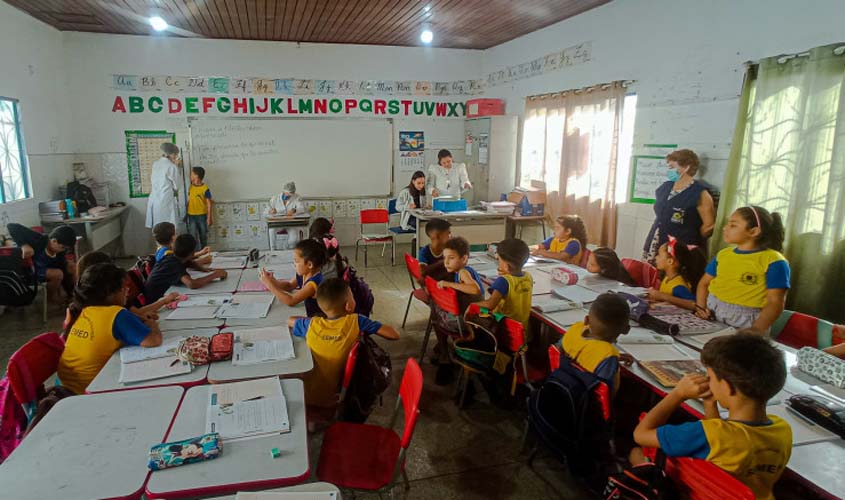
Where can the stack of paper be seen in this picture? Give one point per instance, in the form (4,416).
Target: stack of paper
(134,354)
(639,335)
(262,345)
(228,263)
(150,363)
(248,409)
(205,300)
(246,309)
(575,293)
(549,304)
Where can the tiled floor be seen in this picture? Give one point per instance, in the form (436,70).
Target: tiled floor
(469,454)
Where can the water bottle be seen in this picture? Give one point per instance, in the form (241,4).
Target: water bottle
(71,209)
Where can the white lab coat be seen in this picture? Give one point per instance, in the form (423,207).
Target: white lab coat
(164,188)
(282,207)
(447,182)
(403,206)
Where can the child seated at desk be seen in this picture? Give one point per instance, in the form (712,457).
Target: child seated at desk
(165,234)
(172,270)
(590,343)
(99,325)
(567,243)
(322,230)
(48,254)
(309,256)
(604,262)
(510,294)
(431,256)
(744,372)
(330,339)
(682,268)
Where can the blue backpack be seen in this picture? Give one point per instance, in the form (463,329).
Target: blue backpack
(364,299)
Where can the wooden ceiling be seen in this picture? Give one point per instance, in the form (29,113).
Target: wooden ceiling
(470,24)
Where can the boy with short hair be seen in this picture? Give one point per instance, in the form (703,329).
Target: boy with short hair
(200,213)
(331,338)
(48,256)
(510,294)
(431,256)
(172,269)
(744,371)
(455,257)
(164,233)
(590,343)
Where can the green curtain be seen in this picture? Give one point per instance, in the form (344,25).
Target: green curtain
(788,155)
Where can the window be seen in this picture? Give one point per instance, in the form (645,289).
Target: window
(13,166)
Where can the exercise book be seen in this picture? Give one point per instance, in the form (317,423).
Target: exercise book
(136,353)
(247,409)
(153,369)
(261,345)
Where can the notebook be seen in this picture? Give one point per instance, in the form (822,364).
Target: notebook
(262,345)
(654,352)
(669,372)
(247,409)
(152,369)
(136,353)
(205,300)
(575,293)
(252,286)
(549,304)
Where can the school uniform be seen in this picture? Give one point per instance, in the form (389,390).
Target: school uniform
(516,296)
(427,257)
(198,213)
(161,252)
(677,287)
(23,235)
(166,272)
(596,356)
(330,341)
(95,335)
(311,307)
(571,247)
(754,453)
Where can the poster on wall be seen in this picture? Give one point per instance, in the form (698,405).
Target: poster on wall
(143,148)
(411,161)
(411,141)
(483,149)
(648,172)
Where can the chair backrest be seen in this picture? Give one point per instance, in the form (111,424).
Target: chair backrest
(349,370)
(514,329)
(413,266)
(391,207)
(409,392)
(31,365)
(643,273)
(601,392)
(585,257)
(554,358)
(444,298)
(801,330)
(374,216)
(698,479)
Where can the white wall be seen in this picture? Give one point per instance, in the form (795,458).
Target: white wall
(687,59)
(32,70)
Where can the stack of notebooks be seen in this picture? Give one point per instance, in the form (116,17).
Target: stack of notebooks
(262,345)
(228,262)
(247,410)
(138,364)
(223,306)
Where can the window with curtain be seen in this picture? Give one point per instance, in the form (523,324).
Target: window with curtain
(13,166)
(788,156)
(572,141)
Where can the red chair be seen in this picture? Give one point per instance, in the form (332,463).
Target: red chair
(585,257)
(699,479)
(446,299)
(348,371)
(643,273)
(603,395)
(369,457)
(32,365)
(800,330)
(415,273)
(381,218)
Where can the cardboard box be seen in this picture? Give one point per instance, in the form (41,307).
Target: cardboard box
(485,107)
(529,201)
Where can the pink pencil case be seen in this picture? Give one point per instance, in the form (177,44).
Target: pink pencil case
(252,286)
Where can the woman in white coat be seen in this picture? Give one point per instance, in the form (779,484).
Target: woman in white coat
(446,178)
(287,203)
(164,187)
(412,196)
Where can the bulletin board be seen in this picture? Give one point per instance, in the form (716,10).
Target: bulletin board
(143,148)
(648,172)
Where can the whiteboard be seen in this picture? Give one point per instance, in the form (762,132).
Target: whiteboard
(253,158)
(647,174)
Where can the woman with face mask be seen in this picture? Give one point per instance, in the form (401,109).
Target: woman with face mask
(287,203)
(683,207)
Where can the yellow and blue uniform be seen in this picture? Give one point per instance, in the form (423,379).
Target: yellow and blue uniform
(677,287)
(516,296)
(95,335)
(311,307)
(571,247)
(754,453)
(161,252)
(196,199)
(473,274)
(330,341)
(742,277)
(427,257)
(598,357)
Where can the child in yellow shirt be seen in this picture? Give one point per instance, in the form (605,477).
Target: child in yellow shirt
(568,242)
(331,338)
(200,213)
(510,293)
(682,268)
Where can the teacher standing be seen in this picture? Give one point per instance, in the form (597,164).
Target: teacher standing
(447,178)
(164,187)
(683,207)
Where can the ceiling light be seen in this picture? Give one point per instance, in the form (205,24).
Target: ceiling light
(427,8)
(158,23)
(427,35)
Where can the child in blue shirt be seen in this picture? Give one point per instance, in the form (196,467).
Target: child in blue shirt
(309,256)
(431,256)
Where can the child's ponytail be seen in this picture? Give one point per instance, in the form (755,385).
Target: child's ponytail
(691,264)
(96,285)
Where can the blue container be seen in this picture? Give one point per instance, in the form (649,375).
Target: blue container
(449,205)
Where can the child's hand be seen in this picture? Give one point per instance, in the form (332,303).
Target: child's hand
(207,249)
(222,274)
(442,284)
(626,359)
(655,294)
(693,386)
(702,312)
(535,250)
(171,297)
(209,221)
(272,211)
(265,277)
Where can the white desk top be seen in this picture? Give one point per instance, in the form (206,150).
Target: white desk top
(229,285)
(109,377)
(108,214)
(278,315)
(169,325)
(243,465)
(319,487)
(91,446)
(225,371)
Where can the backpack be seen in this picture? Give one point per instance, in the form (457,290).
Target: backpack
(370,379)
(646,481)
(18,286)
(567,418)
(12,420)
(364,299)
(82,195)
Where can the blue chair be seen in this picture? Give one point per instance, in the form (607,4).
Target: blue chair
(391,209)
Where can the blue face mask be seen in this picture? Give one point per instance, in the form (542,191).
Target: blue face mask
(673,175)
(285,197)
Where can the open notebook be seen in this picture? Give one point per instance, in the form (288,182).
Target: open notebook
(262,345)
(247,409)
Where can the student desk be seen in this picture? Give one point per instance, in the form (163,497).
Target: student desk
(291,223)
(319,487)
(517,222)
(92,446)
(278,315)
(243,465)
(169,325)
(228,285)
(109,377)
(476,226)
(224,371)
(98,230)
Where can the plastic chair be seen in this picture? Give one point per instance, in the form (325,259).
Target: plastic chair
(445,299)
(643,273)
(800,330)
(369,457)
(415,273)
(31,365)
(372,217)
(397,230)
(585,257)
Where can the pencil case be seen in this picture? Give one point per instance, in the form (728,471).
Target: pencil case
(188,451)
(221,347)
(822,365)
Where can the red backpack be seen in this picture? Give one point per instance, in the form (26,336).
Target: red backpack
(12,420)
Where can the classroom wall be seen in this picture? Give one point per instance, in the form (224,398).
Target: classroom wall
(687,59)
(32,70)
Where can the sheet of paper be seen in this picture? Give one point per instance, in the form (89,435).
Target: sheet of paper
(227,394)
(196,274)
(228,263)
(136,353)
(243,419)
(568,318)
(261,345)
(244,310)
(478,261)
(803,432)
(283,271)
(152,369)
(197,312)
(542,284)
(639,335)
(255,298)
(206,300)
(576,293)
(251,286)
(654,352)
(277,257)
(700,340)
(550,303)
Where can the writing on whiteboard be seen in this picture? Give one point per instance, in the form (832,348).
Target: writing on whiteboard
(238,141)
(649,174)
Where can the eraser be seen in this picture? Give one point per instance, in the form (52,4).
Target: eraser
(275,453)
